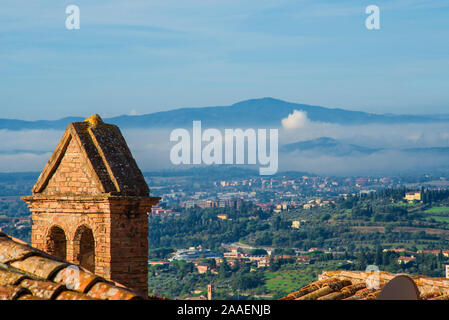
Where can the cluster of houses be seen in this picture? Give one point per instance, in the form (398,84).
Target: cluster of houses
(291,205)
(206,203)
(409,256)
(158,211)
(197,256)
(263,261)
(413,196)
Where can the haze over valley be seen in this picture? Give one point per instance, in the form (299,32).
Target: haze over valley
(311,139)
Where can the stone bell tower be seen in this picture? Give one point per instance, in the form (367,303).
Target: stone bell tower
(90,205)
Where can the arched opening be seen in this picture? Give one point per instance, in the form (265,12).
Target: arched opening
(56,242)
(84,248)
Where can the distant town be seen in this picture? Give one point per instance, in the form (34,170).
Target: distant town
(274,194)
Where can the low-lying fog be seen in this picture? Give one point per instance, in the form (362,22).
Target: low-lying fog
(29,150)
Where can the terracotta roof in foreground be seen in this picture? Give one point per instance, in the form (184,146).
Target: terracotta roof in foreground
(30,274)
(352,285)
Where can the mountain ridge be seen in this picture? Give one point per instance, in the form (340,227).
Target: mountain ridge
(266,112)
(328,146)
(333,147)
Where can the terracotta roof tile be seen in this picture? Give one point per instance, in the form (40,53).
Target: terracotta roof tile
(29,297)
(103,290)
(353,288)
(334,296)
(40,266)
(344,293)
(352,285)
(73,295)
(305,290)
(30,274)
(441,297)
(43,289)
(10,278)
(12,292)
(361,294)
(330,286)
(430,295)
(372,296)
(76,279)
(12,251)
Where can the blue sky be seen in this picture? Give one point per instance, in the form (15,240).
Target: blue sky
(144,56)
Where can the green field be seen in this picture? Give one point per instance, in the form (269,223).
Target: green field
(440,219)
(405,204)
(437,210)
(285,282)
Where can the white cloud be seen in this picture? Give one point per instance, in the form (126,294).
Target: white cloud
(151,147)
(415,137)
(295,120)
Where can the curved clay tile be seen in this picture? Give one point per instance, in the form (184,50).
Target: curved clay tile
(72,295)
(372,296)
(300,293)
(344,293)
(12,292)
(328,287)
(336,285)
(103,291)
(334,296)
(441,297)
(307,289)
(76,279)
(361,294)
(10,278)
(352,289)
(29,297)
(322,283)
(28,269)
(40,266)
(316,294)
(43,289)
(430,295)
(12,251)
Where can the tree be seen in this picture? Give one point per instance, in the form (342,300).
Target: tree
(378,260)
(224,269)
(247,281)
(258,252)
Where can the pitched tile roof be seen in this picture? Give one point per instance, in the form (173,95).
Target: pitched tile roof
(109,159)
(30,274)
(352,285)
